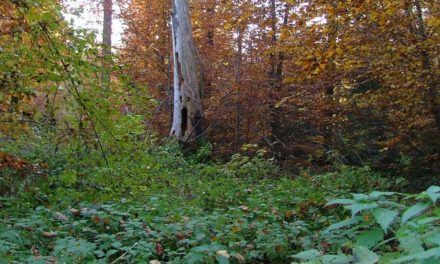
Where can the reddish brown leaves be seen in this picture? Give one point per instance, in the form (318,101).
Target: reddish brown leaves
(159,249)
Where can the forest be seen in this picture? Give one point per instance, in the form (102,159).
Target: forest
(220,131)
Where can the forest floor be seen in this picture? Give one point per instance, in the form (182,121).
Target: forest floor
(217,215)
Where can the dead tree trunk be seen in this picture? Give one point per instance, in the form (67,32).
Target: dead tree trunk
(188,78)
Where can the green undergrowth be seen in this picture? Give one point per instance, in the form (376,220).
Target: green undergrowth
(277,221)
(156,204)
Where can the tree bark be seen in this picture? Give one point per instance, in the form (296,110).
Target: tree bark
(276,79)
(107,39)
(188,78)
(238,77)
(274,29)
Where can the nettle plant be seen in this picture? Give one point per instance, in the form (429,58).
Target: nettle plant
(384,227)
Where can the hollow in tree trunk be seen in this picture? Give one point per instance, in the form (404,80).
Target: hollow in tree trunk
(188,78)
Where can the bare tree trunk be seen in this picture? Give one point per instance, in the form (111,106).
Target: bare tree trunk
(238,75)
(107,39)
(188,78)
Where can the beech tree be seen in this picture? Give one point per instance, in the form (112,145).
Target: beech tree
(107,36)
(188,77)
(311,80)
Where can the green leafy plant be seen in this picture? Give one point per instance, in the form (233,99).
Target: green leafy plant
(392,227)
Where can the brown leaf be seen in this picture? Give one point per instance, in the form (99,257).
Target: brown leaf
(289,214)
(49,234)
(244,208)
(35,251)
(278,248)
(106,221)
(62,217)
(97,219)
(239,256)
(180,236)
(159,249)
(52,260)
(75,212)
(146,228)
(223,253)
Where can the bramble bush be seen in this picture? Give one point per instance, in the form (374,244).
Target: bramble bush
(269,221)
(170,207)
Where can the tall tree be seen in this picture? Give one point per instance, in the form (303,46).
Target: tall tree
(107,37)
(429,70)
(188,77)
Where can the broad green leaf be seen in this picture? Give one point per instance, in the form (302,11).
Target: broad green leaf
(117,244)
(370,238)
(414,211)
(359,207)
(193,258)
(307,255)
(202,248)
(427,220)
(363,255)
(388,258)
(392,204)
(384,217)
(433,189)
(222,259)
(336,259)
(409,241)
(361,197)
(425,255)
(433,237)
(433,193)
(344,223)
(431,261)
(377,194)
(99,253)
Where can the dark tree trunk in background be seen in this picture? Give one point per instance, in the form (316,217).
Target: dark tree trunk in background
(278,128)
(107,39)
(429,72)
(238,77)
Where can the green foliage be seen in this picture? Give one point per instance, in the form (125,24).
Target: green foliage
(168,229)
(407,229)
(177,210)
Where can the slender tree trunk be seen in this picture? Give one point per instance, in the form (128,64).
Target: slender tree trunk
(210,8)
(238,75)
(188,78)
(276,79)
(429,72)
(210,11)
(273,58)
(107,39)
(280,66)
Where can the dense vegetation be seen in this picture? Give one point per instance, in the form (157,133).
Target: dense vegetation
(321,144)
